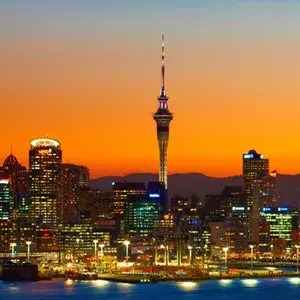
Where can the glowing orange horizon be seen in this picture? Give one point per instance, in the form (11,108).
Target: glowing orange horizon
(231,89)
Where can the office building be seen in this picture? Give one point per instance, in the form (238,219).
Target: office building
(214,209)
(255,167)
(121,192)
(19,182)
(231,233)
(156,191)
(225,205)
(264,237)
(163,117)
(78,239)
(45,157)
(6,198)
(44,163)
(264,190)
(141,213)
(281,221)
(7,234)
(95,204)
(179,204)
(69,182)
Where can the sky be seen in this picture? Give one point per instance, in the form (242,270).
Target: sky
(87,73)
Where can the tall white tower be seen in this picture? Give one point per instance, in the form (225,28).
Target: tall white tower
(163,117)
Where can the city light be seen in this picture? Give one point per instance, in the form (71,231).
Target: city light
(69,282)
(187,285)
(44,142)
(250,282)
(294,280)
(225,282)
(100,283)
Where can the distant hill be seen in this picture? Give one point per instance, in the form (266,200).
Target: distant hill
(186,184)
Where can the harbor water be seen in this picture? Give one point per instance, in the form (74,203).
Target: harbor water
(240,289)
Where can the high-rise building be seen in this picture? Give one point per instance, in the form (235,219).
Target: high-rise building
(6,198)
(264,237)
(95,204)
(255,167)
(281,221)
(7,234)
(19,182)
(231,233)
(121,192)
(163,117)
(84,179)
(157,192)
(213,208)
(141,212)
(44,163)
(264,190)
(69,183)
(78,239)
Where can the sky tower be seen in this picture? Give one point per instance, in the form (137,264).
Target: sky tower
(163,117)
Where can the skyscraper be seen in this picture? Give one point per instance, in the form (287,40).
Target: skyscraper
(68,193)
(6,198)
(19,182)
(44,162)
(141,212)
(121,192)
(255,167)
(163,117)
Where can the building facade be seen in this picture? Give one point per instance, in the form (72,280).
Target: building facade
(281,221)
(69,183)
(121,192)
(141,213)
(255,167)
(45,157)
(19,182)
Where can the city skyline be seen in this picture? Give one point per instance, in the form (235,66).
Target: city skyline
(69,80)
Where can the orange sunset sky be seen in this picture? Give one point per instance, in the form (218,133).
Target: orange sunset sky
(87,73)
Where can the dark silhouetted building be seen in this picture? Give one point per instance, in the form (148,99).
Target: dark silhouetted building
(19,182)
(121,192)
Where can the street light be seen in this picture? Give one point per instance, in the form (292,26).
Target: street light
(217,236)
(101,249)
(28,243)
(272,255)
(165,253)
(190,253)
(251,247)
(225,249)
(126,243)
(95,242)
(204,253)
(13,245)
(297,247)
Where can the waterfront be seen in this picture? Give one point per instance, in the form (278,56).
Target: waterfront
(214,289)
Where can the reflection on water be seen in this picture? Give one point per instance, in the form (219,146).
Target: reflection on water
(295,280)
(225,282)
(250,282)
(100,283)
(187,285)
(125,287)
(226,289)
(69,282)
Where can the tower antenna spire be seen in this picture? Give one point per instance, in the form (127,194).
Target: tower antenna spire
(163,90)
